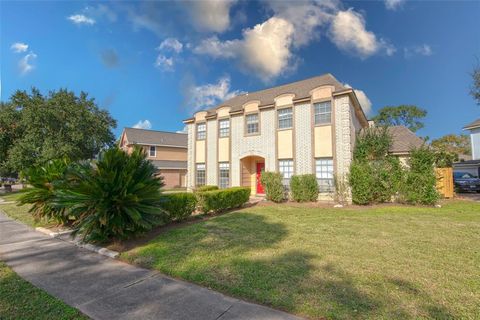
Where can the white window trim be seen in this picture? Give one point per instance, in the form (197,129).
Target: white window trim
(150,152)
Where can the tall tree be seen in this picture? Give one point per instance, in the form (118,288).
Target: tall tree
(404,115)
(453,143)
(475,89)
(57,125)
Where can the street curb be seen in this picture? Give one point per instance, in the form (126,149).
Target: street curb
(91,247)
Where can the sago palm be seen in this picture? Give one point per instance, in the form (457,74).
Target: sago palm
(115,197)
(44,181)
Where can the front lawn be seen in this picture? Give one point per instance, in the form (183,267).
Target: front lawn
(21,300)
(383,262)
(20,213)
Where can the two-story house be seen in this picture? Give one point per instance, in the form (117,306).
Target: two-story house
(471,166)
(302,127)
(166,150)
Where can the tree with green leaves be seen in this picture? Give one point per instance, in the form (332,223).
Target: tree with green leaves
(36,128)
(453,143)
(475,89)
(409,116)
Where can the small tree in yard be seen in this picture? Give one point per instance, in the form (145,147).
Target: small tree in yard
(304,187)
(116,197)
(420,182)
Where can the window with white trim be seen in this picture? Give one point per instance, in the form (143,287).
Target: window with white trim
(323,112)
(200,175)
(153,151)
(224,175)
(223,128)
(285,167)
(285,118)
(324,173)
(201,131)
(251,123)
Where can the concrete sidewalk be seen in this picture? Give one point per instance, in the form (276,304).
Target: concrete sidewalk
(104,288)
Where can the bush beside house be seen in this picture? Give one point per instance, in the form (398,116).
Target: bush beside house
(179,206)
(272,184)
(304,188)
(220,200)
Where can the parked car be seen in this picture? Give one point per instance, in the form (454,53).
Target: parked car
(465,182)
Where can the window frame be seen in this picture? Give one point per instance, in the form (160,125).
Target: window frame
(246,115)
(204,174)
(220,128)
(220,169)
(286,181)
(203,131)
(150,152)
(314,105)
(279,110)
(330,170)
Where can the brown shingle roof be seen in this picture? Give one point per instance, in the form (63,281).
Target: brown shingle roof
(474,124)
(301,89)
(152,137)
(404,140)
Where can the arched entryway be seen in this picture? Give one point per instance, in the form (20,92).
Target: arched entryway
(251,168)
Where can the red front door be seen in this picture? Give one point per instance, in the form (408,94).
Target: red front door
(260,168)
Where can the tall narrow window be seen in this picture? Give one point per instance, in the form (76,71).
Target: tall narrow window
(153,151)
(224,128)
(285,118)
(251,123)
(224,175)
(200,175)
(201,131)
(324,173)
(285,167)
(323,112)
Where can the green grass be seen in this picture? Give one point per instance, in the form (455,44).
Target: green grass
(391,262)
(20,213)
(21,300)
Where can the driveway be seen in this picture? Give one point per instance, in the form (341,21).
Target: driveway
(105,288)
(469,196)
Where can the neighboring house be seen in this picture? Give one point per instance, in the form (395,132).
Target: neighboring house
(166,150)
(471,166)
(304,127)
(403,141)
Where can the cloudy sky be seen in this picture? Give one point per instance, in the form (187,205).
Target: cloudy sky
(152,64)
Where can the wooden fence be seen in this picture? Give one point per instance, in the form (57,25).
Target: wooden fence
(445,182)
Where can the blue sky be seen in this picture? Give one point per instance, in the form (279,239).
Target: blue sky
(155,63)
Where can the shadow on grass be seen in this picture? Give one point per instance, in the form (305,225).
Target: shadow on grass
(240,254)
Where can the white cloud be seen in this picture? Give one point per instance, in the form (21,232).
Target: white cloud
(210,15)
(143,124)
(394,4)
(19,47)
(26,63)
(349,33)
(164,63)
(101,11)
(264,49)
(80,19)
(171,44)
(420,50)
(364,101)
(210,94)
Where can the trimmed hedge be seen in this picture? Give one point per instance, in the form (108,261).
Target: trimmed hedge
(220,200)
(272,184)
(179,206)
(304,188)
(206,188)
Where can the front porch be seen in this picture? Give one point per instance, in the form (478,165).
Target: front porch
(251,168)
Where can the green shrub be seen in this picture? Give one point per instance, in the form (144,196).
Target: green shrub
(220,200)
(361,182)
(372,144)
(419,186)
(304,187)
(179,206)
(115,197)
(206,188)
(44,181)
(272,184)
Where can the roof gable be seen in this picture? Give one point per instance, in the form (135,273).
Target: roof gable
(153,137)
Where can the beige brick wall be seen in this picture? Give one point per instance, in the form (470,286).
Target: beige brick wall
(303,139)
(212,152)
(190,156)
